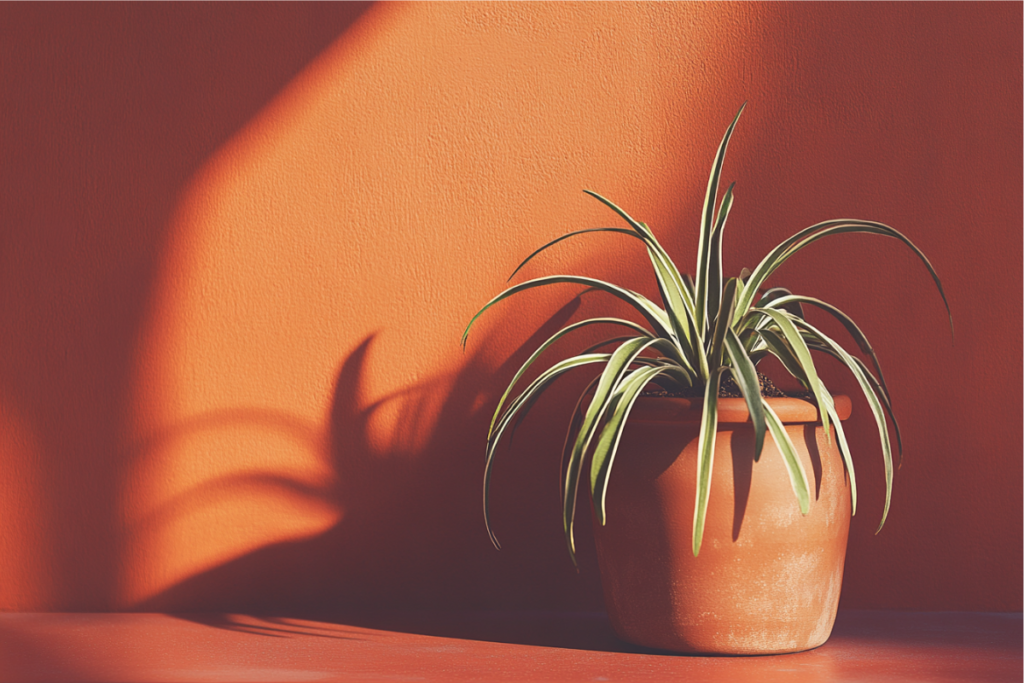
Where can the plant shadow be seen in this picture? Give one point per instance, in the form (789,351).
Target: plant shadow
(742,451)
(117,106)
(410,552)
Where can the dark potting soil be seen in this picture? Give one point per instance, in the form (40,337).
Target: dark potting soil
(729,389)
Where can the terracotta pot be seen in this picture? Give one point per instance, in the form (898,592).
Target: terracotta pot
(767,579)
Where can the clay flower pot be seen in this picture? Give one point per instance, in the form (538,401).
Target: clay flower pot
(767,579)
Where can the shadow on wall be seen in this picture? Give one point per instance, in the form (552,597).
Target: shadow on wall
(412,533)
(107,111)
(236,439)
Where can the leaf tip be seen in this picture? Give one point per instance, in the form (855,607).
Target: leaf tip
(760,433)
(572,556)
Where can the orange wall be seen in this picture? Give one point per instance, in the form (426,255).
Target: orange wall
(238,246)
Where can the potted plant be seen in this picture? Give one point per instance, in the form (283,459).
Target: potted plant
(767,579)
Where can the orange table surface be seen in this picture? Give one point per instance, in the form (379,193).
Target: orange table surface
(482,646)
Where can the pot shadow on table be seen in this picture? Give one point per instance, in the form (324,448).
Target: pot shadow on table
(590,631)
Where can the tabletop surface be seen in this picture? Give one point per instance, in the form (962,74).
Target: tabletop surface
(482,646)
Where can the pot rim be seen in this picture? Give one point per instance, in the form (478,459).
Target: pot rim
(731,410)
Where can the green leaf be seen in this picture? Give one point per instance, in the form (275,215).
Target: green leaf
(547,344)
(875,386)
(524,401)
(847,322)
(715,263)
(797,475)
(883,397)
(650,311)
(722,324)
(775,293)
(617,366)
(705,456)
(708,222)
(844,449)
(574,425)
(555,241)
(777,256)
(745,375)
(778,347)
(681,332)
(784,321)
(641,229)
(873,403)
(608,442)
(679,306)
(677,367)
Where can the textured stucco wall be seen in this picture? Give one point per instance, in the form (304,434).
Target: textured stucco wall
(238,246)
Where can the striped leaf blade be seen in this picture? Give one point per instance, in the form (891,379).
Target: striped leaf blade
(705,456)
(715,262)
(547,344)
(777,256)
(847,322)
(785,323)
(844,449)
(621,231)
(873,403)
(611,375)
(608,441)
(778,347)
(876,387)
(795,469)
(648,309)
(708,222)
(678,304)
(529,395)
(745,375)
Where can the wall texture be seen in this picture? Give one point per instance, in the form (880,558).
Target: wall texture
(238,246)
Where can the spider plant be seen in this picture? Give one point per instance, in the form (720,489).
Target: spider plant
(704,328)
